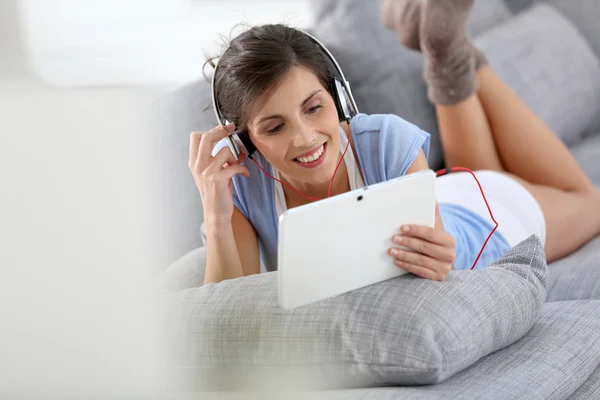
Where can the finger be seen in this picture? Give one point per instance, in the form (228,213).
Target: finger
(195,138)
(443,253)
(194,143)
(233,170)
(223,157)
(240,160)
(207,143)
(419,271)
(432,235)
(422,260)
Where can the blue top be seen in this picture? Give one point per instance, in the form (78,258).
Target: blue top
(386,146)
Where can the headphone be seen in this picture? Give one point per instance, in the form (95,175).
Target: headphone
(239,142)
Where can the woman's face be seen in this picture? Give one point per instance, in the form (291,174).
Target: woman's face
(297,130)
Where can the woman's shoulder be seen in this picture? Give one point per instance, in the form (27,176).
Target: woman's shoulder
(387,144)
(381,124)
(388,133)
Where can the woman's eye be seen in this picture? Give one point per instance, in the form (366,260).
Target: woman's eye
(279,127)
(314,109)
(275,130)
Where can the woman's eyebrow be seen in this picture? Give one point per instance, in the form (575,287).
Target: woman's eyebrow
(310,96)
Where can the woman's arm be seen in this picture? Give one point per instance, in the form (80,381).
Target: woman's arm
(232,250)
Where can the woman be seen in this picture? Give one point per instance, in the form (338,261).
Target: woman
(273,81)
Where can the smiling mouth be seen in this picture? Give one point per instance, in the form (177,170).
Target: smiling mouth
(315,156)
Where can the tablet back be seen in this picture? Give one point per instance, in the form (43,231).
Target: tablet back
(340,244)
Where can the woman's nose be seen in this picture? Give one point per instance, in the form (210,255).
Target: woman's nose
(304,137)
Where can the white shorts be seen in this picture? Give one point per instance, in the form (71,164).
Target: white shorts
(517,212)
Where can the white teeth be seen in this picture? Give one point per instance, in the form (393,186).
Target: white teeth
(312,157)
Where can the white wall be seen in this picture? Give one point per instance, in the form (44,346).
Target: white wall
(115,42)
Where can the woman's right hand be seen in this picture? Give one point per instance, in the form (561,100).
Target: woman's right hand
(213,174)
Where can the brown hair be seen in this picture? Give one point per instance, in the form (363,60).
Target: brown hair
(254,64)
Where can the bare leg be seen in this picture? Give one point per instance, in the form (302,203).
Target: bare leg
(530,151)
(527,147)
(496,120)
(466,136)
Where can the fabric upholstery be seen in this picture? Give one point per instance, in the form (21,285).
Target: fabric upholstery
(590,389)
(185,273)
(587,154)
(576,277)
(550,65)
(584,14)
(517,6)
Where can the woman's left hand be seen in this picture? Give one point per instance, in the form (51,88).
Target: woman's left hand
(434,251)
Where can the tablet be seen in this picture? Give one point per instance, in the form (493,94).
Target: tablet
(340,244)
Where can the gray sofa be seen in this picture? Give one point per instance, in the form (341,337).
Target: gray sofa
(549,53)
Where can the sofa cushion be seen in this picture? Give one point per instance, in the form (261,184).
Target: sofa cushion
(590,388)
(584,14)
(405,330)
(587,154)
(385,77)
(519,5)
(576,277)
(546,60)
(186,272)
(557,359)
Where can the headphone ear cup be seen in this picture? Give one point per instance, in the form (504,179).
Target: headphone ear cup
(243,143)
(341,101)
(245,139)
(335,93)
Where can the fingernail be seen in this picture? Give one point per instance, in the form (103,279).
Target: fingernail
(398,239)
(394,252)
(406,228)
(398,263)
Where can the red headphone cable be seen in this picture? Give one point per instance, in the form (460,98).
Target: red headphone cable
(446,171)
(330,183)
(439,173)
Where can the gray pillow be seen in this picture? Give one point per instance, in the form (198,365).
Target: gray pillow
(385,77)
(546,60)
(519,5)
(584,14)
(402,331)
(557,359)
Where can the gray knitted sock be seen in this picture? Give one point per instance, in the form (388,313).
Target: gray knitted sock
(404,18)
(449,57)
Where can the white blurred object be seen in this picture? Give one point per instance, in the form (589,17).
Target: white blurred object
(115,42)
(77,247)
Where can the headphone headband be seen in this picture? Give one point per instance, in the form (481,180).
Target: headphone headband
(345,84)
(337,68)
